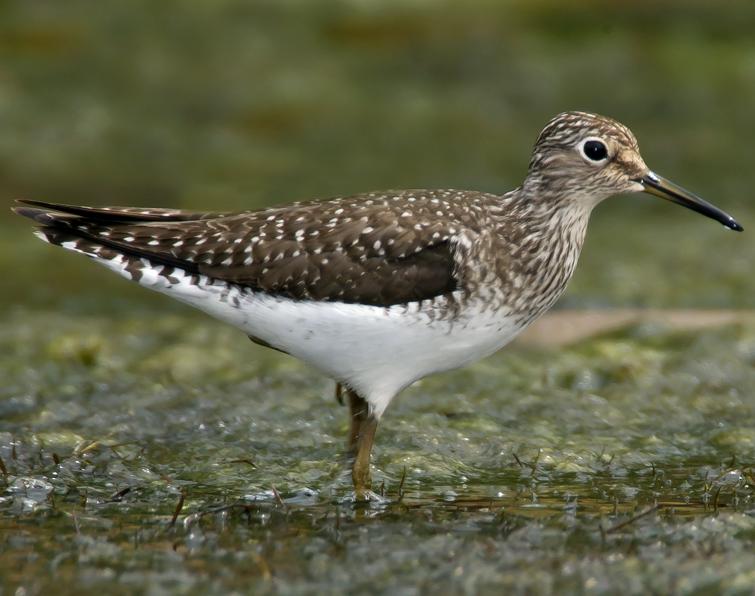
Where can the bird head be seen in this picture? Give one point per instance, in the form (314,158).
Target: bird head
(587,158)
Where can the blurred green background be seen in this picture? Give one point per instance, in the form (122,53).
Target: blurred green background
(236,105)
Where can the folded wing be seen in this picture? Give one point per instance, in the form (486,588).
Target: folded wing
(355,250)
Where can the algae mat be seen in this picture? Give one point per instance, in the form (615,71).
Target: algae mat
(173,456)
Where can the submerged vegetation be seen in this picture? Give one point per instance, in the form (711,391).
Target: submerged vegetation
(129,457)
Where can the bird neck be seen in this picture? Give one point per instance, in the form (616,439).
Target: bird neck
(538,241)
(539,217)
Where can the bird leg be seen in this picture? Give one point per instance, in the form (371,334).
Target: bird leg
(362,427)
(360,472)
(339,393)
(358,410)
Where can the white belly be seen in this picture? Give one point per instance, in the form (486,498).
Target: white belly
(374,350)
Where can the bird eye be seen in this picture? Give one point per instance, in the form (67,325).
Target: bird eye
(595,150)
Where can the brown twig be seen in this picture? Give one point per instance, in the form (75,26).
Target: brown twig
(177,510)
(633,519)
(278,498)
(244,460)
(117,497)
(401,486)
(715,499)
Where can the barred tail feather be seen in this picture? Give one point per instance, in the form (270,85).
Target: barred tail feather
(66,226)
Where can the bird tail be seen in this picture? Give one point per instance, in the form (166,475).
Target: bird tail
(85,229)
(142,245)
(42,211)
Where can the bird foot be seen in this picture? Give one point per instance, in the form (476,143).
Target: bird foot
(367,496)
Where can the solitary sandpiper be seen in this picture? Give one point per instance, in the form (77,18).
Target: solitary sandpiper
(380,289)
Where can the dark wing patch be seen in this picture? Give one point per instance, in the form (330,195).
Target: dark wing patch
(338,277)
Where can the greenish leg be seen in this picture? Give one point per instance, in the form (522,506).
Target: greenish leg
(360,472)
(358,410)
(362,428)
(339,393)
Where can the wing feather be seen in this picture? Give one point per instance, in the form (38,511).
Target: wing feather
(370,249)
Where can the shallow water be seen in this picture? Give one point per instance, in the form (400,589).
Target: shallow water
(133,460)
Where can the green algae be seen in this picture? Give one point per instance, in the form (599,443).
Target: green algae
(628,457)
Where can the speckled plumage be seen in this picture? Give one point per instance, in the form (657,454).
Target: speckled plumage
(380,289)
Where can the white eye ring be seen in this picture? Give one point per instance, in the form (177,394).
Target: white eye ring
(594,150)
